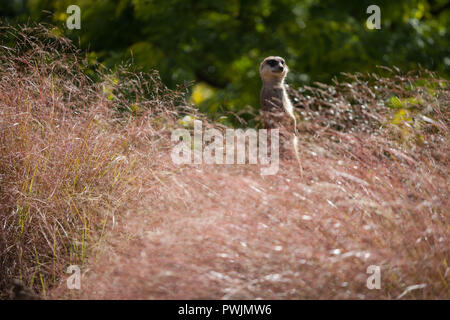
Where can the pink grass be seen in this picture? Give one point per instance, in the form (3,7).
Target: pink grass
(82,183)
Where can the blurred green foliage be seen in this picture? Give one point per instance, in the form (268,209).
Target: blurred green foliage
(219,43)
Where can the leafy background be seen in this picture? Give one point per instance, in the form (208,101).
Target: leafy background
(217,45)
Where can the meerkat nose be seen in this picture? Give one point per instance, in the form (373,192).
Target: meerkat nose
(281,68)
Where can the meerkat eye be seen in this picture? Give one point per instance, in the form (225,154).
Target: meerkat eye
(272,62)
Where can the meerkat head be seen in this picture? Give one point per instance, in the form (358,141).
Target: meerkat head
(273,69)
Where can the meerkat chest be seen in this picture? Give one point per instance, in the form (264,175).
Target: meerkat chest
(272,98)
(276,98)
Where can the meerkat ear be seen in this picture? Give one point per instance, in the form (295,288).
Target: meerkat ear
(262,64)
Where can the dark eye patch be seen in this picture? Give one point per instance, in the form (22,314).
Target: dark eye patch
(272,62)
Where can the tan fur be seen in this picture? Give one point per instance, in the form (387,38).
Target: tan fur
(276,108)
(275,103)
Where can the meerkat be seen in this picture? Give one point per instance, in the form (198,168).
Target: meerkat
(276,107)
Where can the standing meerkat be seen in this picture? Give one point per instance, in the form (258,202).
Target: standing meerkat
(276,107)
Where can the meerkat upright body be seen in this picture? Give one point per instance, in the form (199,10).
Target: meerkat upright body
(276,108)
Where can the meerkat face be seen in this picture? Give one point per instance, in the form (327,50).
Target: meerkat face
(273,68)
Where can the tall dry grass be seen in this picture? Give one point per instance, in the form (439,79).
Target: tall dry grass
(86,178)
(70,151)
(374,192)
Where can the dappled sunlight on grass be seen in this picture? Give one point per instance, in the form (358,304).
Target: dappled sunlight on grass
(87,179)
